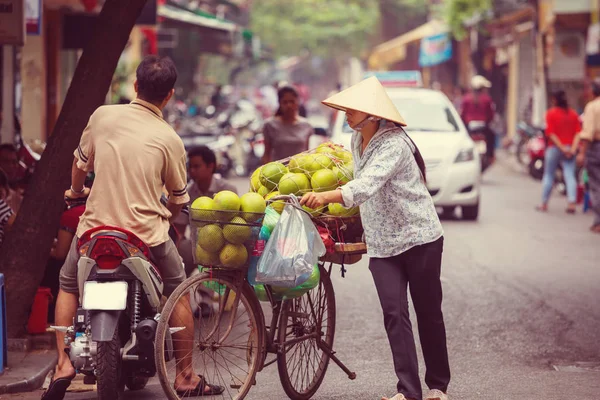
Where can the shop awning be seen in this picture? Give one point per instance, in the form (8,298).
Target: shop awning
(198,19)
(394,50)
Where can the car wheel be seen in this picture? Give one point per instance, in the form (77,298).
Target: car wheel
(471,213)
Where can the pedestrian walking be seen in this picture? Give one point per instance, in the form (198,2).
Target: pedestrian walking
(403,233)
(287,133)
(562,127)
(590,152)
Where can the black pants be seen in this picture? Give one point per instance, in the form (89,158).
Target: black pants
(419,269)
(490,142)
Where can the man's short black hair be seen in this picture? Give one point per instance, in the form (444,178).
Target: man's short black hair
(156,76)
(208,156)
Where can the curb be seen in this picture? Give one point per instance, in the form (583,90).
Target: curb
(32,383)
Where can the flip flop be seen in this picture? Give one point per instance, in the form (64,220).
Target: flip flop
(198,391)
(541,209)
(570,211)
(57,388)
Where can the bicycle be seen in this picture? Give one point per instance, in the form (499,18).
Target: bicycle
(235,340)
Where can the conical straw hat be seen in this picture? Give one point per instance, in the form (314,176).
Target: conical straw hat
(367,96)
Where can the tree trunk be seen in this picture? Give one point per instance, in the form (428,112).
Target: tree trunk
(25,250)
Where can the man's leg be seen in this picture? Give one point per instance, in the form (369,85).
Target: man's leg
(171,267)
(593,168)
(66,308)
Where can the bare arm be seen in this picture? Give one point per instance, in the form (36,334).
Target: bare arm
(77,177)
(174,209)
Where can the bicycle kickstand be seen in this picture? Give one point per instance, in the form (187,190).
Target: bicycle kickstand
(331,354)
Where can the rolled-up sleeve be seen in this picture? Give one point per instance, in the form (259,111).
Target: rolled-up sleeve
(175,178)
(388,159)
(85,151)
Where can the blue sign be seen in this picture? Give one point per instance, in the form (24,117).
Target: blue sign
(435,50)
(397,78)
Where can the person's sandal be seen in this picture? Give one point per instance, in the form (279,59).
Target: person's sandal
(571,210)
(199,390)
(541,208)
(58,388)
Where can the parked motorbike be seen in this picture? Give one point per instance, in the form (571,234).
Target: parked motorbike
(111,340)
(525,133)
(477,131)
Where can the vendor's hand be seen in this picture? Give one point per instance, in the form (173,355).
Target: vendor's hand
(580,159)
(313,200)
(70,195)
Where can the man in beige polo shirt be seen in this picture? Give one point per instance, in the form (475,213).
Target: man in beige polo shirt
(134,154)
(590,152)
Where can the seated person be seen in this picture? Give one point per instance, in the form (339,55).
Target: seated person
(7,215)
(202,164)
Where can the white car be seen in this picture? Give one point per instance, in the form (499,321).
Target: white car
(451,159)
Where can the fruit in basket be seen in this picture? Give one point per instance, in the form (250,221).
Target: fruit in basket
(344,173)
(337,210)
(255,180)
(324,180)
(253,206)
(315,212)
(233,255)
(203,209)
(277,205)
(205,258)
(325,148)
(237,231)
(294,183)
(210,238)
(229,203)
(343,155)
(271,173)
(323,161)
(263,191)
(298,163)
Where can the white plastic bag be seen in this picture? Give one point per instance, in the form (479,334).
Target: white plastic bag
(292,250)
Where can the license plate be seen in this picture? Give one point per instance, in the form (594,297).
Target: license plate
(104,295)
(481,147)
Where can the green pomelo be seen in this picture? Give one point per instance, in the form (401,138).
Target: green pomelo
(237,231)
(343,155)
(271,173)
(294,183)
(227,204)
(205,258)
(315,212)
(255,180)
(263,191)
(338,210)
(344,175)
(210,237)
(277,205)
(253,206)
(324,180)
(202,209)
(233,255)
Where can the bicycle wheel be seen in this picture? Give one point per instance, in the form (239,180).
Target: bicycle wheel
(226,344)
(302,365)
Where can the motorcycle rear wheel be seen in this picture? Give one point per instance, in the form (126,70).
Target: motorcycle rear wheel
(109,369)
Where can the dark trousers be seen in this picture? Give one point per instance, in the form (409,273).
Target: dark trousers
(593,167)
(418,269)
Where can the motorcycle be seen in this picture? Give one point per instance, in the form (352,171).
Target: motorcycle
(477,131)
(525,133)
(111,341)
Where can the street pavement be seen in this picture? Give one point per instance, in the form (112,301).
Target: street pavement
(522,295)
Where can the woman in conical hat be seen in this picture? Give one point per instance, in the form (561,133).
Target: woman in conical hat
(402,230)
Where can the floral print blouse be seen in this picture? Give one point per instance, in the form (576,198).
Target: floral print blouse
(396,208)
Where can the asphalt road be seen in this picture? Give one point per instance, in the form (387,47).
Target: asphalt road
(522,307)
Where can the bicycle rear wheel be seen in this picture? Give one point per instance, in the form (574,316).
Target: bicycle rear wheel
(227,341)
(302,364)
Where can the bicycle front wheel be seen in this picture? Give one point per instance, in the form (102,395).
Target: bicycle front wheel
(215,330)
(306,331)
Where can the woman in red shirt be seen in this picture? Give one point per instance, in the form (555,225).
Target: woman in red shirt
(562,126)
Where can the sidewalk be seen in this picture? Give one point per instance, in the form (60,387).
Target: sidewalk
(26,371)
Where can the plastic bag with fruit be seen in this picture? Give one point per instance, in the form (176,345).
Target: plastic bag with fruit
(292,251)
